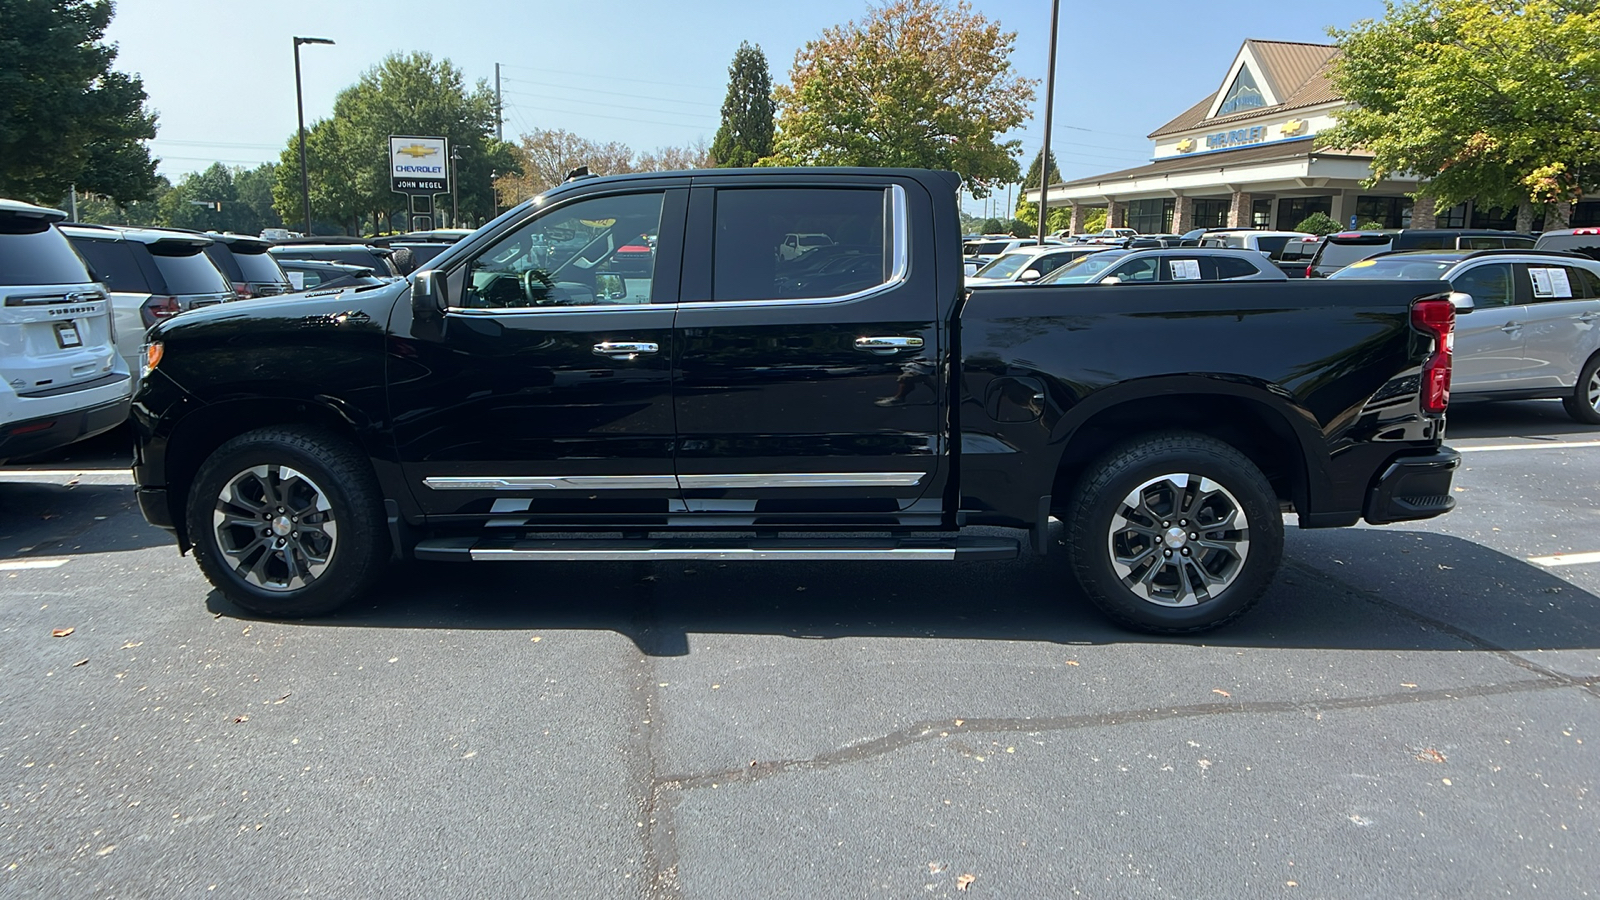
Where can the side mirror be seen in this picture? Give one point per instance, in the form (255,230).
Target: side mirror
(1030,275)
(609,286)
(1111,279)
(428,299)
(1462,302)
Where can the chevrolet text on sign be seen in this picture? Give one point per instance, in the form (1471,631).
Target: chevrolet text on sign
(419,165)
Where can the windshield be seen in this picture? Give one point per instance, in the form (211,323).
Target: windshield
(986,248)
(1082,269)
(1397,267)
(1004,266)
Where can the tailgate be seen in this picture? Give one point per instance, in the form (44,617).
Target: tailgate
(54,336)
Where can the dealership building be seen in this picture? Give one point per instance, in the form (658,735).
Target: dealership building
(1245,157)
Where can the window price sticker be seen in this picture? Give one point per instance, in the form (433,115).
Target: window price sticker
(1184,269)
(1551,283)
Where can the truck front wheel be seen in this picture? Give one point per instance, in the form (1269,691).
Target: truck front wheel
(288,522)
(1174,533)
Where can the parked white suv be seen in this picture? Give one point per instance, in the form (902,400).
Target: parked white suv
(63,379)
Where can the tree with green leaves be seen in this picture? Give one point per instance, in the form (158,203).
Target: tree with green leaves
(1493,99)
(922,83)
(66,116)
(348,153)
(1027,211)
(747,113)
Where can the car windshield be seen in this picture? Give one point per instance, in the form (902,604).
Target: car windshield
(1396,267)
(1082,269)
(1004,266)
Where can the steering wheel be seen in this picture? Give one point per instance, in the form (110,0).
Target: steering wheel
(537,287)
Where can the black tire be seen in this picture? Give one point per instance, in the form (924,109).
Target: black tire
(1169,593)
(1583,404)
(326,487)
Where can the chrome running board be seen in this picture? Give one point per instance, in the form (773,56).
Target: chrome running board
(672,549)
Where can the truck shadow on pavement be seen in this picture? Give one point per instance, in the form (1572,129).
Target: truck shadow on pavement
(1367,589)
(46,518)
(1510,419)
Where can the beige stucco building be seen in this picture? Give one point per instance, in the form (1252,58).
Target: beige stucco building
(1245,156)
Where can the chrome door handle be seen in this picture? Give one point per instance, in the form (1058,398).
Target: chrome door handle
(625,350)
(1510,327)
(1588,317)
(883,346)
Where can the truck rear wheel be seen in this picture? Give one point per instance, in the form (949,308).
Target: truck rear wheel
(1174,533)
(287,522)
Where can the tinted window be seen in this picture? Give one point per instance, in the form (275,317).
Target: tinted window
(1480,243)
(1340,255)
(1587,244)
(1489,285)
(1229,267)
(114,263)
(1518,241)
(569,257)
(222,258)
(33,252)
(1270,245)
(747,262)
(422,254)
(258,268)
(1414,241)
(1590,283)
(192,273)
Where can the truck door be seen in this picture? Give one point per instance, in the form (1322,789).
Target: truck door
(809,390)
(546,395)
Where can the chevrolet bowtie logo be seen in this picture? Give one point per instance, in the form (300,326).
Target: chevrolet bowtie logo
(1185,145)
(417,151)
(1294,126)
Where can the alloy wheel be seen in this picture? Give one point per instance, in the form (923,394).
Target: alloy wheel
(276,528)
(1179,540)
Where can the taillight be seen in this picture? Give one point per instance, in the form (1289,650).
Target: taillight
(241,291)
(157,308)
(1437,319)
(1308,270)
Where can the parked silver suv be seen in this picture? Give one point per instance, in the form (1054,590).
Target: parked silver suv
(61,378)
(1527,322)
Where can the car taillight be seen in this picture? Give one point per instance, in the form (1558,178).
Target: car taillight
(241,291)
(157,308)
(1437,319)
(1308,270)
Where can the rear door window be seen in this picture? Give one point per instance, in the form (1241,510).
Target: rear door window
(114,263)
(190,273)
(1558,283)
(747,262)
(1489,285)
(1271,245)
(1137,271)
(33,252)
(1230,267)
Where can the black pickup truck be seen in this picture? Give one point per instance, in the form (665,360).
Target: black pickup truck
(633,368)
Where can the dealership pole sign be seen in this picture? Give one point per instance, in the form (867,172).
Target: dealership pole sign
(419,165)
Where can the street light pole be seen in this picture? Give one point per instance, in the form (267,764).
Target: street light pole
(1049,104)
(300,109)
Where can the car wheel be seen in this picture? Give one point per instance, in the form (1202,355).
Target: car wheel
(1174,533)
(1583,404)
(288,522)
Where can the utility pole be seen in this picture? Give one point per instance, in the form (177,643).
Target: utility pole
(1049,104)
(499,114)
(454,155)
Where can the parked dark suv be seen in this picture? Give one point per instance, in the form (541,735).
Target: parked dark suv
(248,265)
(1346,247)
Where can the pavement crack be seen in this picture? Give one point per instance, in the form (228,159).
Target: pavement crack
(1461,634)
(942,728)
(655,812)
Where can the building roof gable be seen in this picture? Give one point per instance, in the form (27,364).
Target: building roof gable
(1287,75)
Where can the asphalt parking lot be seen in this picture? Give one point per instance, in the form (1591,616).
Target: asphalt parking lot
(1413,711)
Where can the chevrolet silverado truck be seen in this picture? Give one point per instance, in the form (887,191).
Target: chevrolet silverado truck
(524,398)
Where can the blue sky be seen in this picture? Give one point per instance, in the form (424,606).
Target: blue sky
(221,72)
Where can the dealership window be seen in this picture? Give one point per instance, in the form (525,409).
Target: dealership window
(1150,216)
(1211,213)
(1293,210)
(1454,217)
(1261,212)
(1390,212)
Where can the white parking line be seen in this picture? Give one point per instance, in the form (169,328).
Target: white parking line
(1551,445)
(9,564)
(1565,559)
